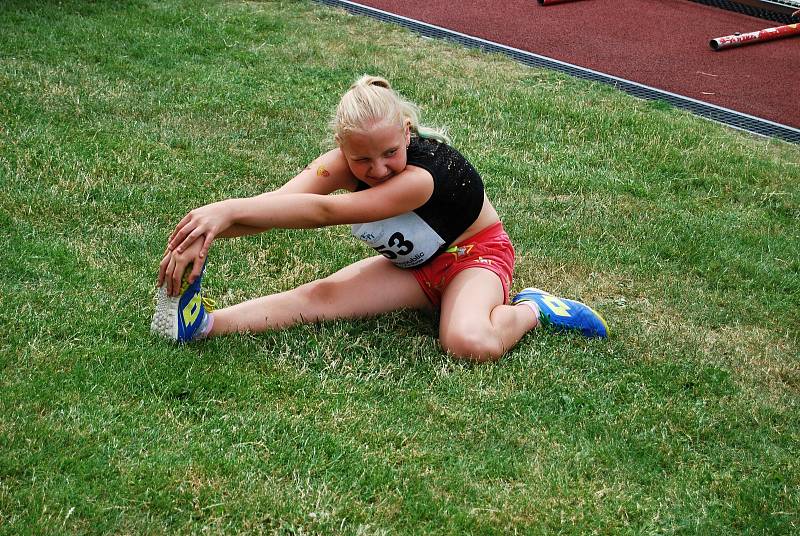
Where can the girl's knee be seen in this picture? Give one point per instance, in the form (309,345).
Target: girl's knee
(472,346)
(316,296)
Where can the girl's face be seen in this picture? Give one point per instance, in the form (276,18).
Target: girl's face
(377,153)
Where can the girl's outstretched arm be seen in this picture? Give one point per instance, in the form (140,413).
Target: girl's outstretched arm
(326,174)
(402,193)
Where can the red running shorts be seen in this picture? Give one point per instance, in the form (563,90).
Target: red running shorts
(490,249)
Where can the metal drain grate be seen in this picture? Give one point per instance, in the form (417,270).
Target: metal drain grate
(773,11)
(726,116)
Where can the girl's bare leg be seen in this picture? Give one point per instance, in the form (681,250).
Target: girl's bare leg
(368,287)
(474,323)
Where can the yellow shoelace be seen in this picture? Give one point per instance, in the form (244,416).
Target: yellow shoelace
(208,303)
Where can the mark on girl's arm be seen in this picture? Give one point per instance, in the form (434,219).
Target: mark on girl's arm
(322,172)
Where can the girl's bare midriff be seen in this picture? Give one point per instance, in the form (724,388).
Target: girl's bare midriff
(487,217)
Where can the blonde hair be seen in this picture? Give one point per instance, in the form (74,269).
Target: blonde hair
(372,100)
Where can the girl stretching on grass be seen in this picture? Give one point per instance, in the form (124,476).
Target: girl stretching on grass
(415,200)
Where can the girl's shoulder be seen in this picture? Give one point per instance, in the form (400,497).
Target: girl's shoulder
(438,157)
(431,148)
(420,144)
(332,166)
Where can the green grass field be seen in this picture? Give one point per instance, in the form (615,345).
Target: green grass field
(116,118)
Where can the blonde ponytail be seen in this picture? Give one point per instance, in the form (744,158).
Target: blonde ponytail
(372,100)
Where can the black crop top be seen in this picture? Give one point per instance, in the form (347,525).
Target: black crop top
(454,205)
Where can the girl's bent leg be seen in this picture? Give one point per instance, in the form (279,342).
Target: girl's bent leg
(368,287)
(474,323)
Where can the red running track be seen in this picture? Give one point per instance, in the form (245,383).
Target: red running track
(658,43)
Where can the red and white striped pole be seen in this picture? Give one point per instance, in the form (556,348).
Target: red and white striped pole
(759,36)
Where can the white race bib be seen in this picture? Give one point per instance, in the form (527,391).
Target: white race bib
(406,240)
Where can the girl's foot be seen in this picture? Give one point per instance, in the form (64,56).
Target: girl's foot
(563,314)
(184,317)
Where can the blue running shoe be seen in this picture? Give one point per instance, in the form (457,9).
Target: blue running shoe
(563,314)
(181,318)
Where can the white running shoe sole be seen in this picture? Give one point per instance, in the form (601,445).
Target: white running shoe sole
(165,319)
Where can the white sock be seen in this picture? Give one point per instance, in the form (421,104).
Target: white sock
(205,327)
(533,307)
